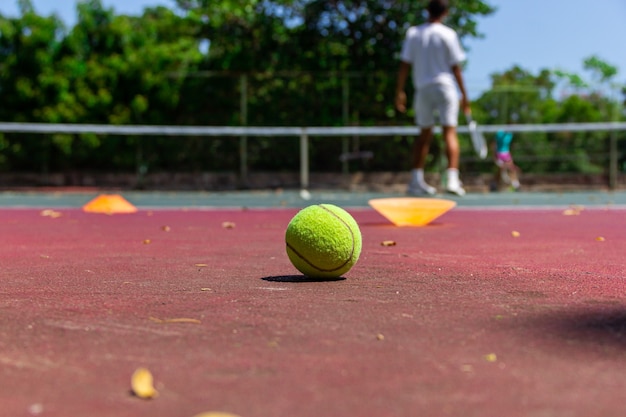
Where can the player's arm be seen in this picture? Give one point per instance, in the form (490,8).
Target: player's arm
(403,73)
(458,75)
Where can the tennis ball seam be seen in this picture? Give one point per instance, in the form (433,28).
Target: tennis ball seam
(351,251)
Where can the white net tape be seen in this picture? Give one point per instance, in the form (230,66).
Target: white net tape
(48,128)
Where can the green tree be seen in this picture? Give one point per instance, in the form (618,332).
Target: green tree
(316,34)
(338,48)
(29,46)
(518,96)
(108,69)
(367,34)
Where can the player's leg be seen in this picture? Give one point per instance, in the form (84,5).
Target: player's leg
(508,170)
(513,177)
(449,113)
(425,119)
(453,182)
(453,151)
(498,174)
(421,147)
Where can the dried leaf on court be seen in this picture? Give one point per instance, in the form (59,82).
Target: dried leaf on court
(165,228)
(51,213)
(490,357)
(388,243)
(380,336)
(515,233)
(600,239)
(147,241)
(228,225)
(176,320)
(201,265)
(467,368)
(573,211)
(216,414)
(183,320)
(142,384)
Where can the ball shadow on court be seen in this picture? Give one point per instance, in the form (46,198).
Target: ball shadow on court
(299,279)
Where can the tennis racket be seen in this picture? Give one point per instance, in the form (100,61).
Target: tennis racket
(478,140)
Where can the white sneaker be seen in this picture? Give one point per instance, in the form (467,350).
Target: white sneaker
(420,189)
(453,183)
(456,189)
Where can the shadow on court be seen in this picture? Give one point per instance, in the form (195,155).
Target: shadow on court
(595,326)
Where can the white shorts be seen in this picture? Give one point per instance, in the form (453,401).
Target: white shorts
(440,98)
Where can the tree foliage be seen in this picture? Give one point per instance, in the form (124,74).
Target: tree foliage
(518,96)
(314,35)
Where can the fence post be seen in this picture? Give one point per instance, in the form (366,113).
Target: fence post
(613,160)
(345,116)
(243,140)
(304,160)
(613,151)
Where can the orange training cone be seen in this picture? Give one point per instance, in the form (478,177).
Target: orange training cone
(406,211)
(109,204)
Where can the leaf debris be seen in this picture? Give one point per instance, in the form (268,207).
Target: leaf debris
(573,211)
(491,357)
(175,320)
(142,384)
(51,213)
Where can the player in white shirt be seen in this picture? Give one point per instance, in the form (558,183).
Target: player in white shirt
(434,53)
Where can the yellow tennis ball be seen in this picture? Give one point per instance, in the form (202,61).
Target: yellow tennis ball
(323,241)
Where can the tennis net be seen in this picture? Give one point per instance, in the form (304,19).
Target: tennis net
(573,141)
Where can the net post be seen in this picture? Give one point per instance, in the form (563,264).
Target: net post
(304,160)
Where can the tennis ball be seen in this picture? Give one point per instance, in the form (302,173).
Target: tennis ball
(323,241)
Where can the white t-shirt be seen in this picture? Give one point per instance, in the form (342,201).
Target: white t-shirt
(432,49)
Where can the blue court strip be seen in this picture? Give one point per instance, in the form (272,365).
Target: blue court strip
(294,199)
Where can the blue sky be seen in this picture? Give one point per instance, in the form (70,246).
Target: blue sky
(534,34)
(553,34)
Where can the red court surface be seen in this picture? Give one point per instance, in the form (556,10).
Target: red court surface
(459,318)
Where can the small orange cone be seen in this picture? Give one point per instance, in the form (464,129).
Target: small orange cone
(406,211)
(109,204)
